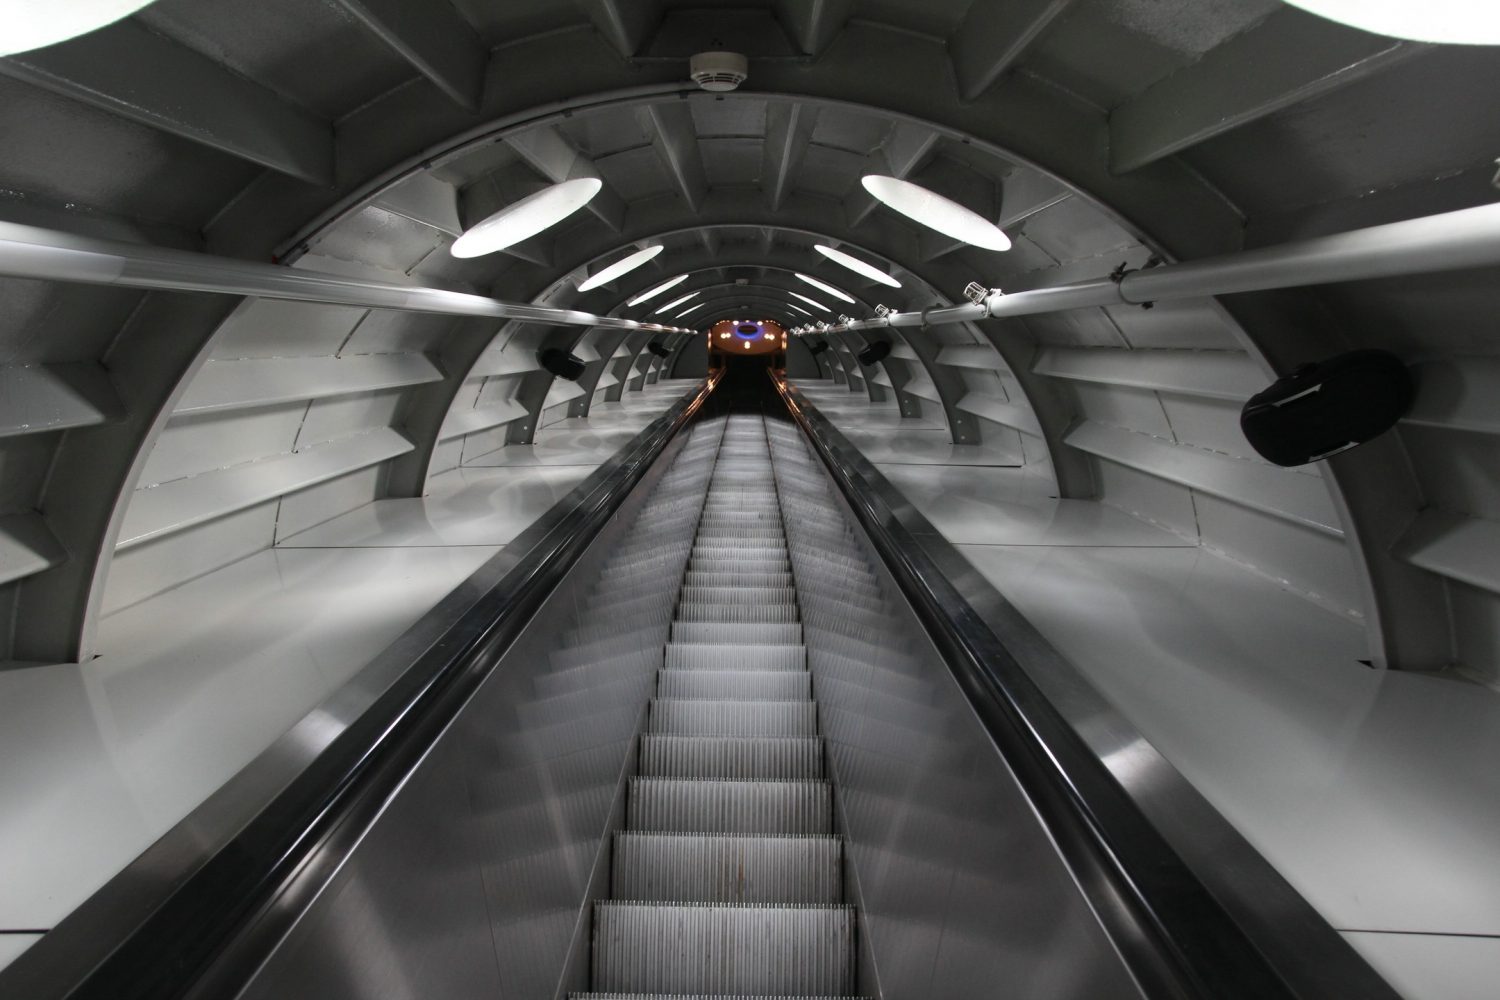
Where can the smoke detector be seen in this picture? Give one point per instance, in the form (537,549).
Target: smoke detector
(718,72)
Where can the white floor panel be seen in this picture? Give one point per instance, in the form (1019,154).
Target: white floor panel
(927,446)
(467,506)
(102,758)
(1374,792)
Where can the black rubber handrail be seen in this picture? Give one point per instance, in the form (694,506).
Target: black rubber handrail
(1175,936)
(151,934)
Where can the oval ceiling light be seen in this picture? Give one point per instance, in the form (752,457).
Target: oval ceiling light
(690,309)
(652,293)
(798,308)
(620,268)
(824,286)
(523,219)
(812,302)
(858,266)
(936,212)
(1455,22)
(677,302)
(32,24)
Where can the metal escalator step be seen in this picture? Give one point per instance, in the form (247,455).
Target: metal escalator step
(698,717)
(719,868)
(700,578)
(733,685)
(718,949)
(736,595)
(691,805)
(737,633)
(743,758)
(750,611)
(696,996)
(726,656)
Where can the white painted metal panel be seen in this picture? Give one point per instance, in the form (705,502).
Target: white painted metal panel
(1459,393)
(425,199)
(1301,499)
(26,547)
(460,422)
(1019,417)
(499,361)
(1455,546)
(970,356)
(561,392)
(223,384)
(35,399)
(182,503)
(1227,375)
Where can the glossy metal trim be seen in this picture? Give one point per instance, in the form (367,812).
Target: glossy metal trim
(199,911)
(1192,908)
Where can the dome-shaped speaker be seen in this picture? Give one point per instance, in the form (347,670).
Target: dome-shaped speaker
(875,353)
(816,347)
(562,364)
(659,349)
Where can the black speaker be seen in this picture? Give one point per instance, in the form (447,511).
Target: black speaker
(875,353)
(816,347)
(659,349)
(561,363)
(1325,408)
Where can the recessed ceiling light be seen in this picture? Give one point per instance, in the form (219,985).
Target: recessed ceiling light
(812,302)
(677,302)
(31,24)
(798,308)
(936,212)
(824,286)
(857,266)
(523,219)
(620,267)
(690,309)
(1457,22)
(652,293)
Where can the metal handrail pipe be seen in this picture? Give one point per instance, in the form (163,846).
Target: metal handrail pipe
(45,254)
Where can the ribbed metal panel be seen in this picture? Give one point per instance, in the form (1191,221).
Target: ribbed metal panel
(685,805)
(734,685)
(715,868)
(736,633)
(738,593)
(748,612)
(740,757)
(727,656)
(700,578)
(718,949)
(680,717)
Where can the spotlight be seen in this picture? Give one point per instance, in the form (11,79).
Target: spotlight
(562,364)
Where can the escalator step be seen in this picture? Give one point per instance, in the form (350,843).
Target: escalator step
(701,717)
(726,656)
(738,594)
(687,805)
(749,611)
(737,633)
(738,757)
(718,868)
(718,949)
(734,685)
(699,578)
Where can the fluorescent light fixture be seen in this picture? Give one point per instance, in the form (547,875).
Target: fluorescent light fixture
(32,24)
(652,293)
(620,267)
(858,266)
(690,309)
(677,302)
(824,286)
(798,308)
(936,212)
(812,302)
(1457,22)
(523,219)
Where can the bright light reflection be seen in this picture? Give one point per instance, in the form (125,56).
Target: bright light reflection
(677,302)
(620,268)
(812,302)
(769,336)
(654,292)
(936,212)
(32,24)
(857,266)
(1456,22)
(523,219)
(824,286)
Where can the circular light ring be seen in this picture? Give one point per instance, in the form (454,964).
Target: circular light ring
(1453,22)
(620,268)
(34,24)
(824,286)
(652,293)
(523,219)
(812,302)
(935,212)
(858,266)
(676,302)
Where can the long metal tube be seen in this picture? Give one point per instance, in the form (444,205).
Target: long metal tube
(1451,241)
(31,252)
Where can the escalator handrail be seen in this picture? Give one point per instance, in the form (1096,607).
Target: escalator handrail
(201,909)
(1176,935)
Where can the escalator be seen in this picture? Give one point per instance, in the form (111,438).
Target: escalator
(725,723)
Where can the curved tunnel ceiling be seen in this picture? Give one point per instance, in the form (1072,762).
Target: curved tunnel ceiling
(1096,133)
